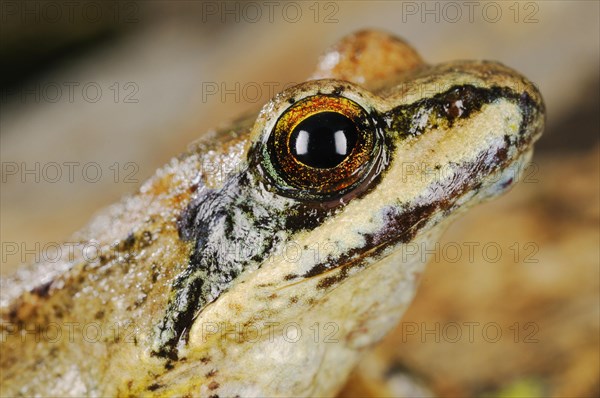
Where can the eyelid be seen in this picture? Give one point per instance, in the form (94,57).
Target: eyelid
(294,178)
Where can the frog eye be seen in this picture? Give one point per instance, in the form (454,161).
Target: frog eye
(322,145)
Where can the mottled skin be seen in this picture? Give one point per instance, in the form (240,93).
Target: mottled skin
(216,280)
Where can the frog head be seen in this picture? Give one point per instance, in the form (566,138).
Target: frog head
(297,263)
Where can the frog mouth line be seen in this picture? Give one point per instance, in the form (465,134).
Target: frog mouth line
(403,226)
(415,216)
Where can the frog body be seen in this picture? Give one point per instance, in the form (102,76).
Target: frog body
(273,280)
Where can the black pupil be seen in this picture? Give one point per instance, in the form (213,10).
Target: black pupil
(323,140)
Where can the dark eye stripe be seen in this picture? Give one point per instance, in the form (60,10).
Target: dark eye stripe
(459,102)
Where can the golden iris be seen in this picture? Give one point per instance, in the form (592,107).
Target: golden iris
(322,144)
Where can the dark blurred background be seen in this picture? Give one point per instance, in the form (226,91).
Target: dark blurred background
(118,88)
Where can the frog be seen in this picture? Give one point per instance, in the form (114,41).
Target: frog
(271,255)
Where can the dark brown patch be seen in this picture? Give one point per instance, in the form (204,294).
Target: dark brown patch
(316,270)
(212,373)
(213,385)
(338,90)
(155,272)
(12,314)
(329,281)
(128,243)
(154,387)
(289,277)
(342,274)
(502,154)
(205,360)
(58,313)
(42,290)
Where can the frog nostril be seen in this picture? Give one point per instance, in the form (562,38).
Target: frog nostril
(459,102)
(507,183)
(454,108)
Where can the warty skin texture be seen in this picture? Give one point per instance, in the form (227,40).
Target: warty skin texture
(184,310)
